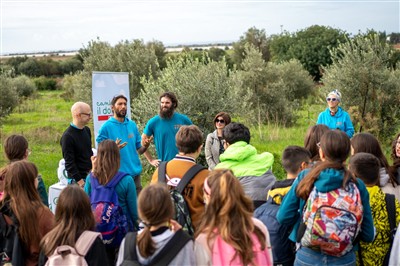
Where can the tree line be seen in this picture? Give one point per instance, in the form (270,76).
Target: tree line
(261,79)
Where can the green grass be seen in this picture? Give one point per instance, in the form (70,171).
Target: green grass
(42,121)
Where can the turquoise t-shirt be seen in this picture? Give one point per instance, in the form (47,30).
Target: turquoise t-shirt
(164,131)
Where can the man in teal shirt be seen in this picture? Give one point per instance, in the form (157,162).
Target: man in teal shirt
(163,127)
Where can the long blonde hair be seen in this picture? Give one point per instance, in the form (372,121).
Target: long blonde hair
(230,212)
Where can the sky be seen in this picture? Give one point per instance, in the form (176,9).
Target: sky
(54,25)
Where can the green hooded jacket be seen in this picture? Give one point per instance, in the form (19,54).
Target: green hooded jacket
(243,160)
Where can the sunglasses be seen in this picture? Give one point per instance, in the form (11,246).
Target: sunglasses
(220,121)
(331,99)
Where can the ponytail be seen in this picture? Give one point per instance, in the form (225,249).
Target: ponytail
(145,243)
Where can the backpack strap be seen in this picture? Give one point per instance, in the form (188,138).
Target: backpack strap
(162,171)
(85,241)
(391,210)
(130,254)
(189,176)
(118,176)
(171,249)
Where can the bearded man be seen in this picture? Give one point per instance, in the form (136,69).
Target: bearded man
(163,127)
(126,134)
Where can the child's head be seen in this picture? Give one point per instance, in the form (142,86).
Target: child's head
(313,136)
(15,148)
(366,167)
(334,146)
(107,161)
(295,159)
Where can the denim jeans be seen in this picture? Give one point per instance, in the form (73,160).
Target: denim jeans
(308,257)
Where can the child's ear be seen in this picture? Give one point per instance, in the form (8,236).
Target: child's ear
(303,166)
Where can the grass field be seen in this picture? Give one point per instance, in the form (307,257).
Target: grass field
(42,121)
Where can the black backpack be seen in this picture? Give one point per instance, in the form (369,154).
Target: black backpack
(164,257)
(11,247)
(182,214)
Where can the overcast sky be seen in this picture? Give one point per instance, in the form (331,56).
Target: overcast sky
(51,25)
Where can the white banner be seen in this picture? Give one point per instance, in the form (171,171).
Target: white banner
(106,85)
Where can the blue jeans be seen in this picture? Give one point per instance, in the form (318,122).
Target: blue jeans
(308,257)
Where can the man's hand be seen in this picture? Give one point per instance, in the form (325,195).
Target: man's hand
(119,144)
(146,141)
(155,162)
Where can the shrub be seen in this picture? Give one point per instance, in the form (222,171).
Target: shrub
(25,86)
(43,83)
(9,96)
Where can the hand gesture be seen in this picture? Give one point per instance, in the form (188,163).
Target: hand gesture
(119,144)
(147,141)
(155,162)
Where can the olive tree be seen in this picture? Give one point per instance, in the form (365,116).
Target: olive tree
(361,71)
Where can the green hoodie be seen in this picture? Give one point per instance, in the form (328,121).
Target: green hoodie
(243,160)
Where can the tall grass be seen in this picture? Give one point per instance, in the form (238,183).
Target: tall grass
(43,119)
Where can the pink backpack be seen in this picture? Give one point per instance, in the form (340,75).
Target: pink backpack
(67,255)
(222,253)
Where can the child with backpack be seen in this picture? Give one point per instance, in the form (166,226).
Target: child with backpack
(228,234)
(162,241)
(366,167)
(73,240)
(25,215)
(294,160)
(112,196)
(328,207)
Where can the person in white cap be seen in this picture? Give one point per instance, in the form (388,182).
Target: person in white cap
(334,116)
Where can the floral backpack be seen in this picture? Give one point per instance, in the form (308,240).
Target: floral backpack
(332,220)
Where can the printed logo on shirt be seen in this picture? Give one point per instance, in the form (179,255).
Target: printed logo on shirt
(339,124)
(131,136)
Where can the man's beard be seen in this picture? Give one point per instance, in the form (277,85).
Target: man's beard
(120,114)
(167,113)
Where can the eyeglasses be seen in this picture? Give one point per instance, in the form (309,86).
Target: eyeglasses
(319,145)
(29,151)
(220,121)
(88,114)
(331,99)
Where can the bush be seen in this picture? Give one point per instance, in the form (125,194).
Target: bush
(43,83)
(9,96)
(25,86)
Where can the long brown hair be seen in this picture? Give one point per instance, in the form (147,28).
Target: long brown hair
(152,214)
(73,216)
(335,145)
(21,193)
(230,211)
(107,161)
(313,136)
(366,142)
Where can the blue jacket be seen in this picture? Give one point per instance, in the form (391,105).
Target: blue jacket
(341,120)
(329,179)
(128,132)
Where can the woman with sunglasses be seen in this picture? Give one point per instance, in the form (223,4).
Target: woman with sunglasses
(334,116)
(215,142)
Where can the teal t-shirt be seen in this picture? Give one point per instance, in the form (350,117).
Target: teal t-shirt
(164,131)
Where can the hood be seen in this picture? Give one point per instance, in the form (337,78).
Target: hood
(115,121)
(383,177)
(329,179)
(239,151)
(243,160)
(339,112)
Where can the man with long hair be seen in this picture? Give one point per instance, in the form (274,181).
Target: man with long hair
(163,127)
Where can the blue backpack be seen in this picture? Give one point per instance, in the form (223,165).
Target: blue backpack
(111,222)
(283,249)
